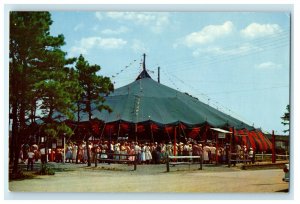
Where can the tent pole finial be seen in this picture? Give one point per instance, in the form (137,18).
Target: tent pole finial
(144,62)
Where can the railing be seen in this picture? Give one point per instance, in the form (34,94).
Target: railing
(244,158)
(173,160)
(268,157)
(235,158)
(117,158)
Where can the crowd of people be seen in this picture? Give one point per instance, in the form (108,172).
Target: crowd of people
(146,153)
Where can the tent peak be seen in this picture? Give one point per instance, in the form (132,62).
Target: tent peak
(144,73)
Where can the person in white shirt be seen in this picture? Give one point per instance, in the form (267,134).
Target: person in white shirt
(30,159)
(251,155)
(43,154)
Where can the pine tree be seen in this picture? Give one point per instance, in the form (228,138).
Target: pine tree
(286,119)
(41,81)
(95,88)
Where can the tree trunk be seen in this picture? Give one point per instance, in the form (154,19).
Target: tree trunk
(13,133)
(22,122)
(15,138)
(87,137)
(78,120)
(88,151)
(16,159)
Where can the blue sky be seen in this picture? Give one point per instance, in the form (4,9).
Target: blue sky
(237,62)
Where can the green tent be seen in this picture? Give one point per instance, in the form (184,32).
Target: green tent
(147,100)
(148,110)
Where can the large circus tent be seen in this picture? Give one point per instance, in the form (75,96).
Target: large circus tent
(146,110)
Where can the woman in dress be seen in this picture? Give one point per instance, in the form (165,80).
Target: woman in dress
(117,151)
(148,156)
(74,152)
(143,155)
(131,152)
(69,153)
(206,150)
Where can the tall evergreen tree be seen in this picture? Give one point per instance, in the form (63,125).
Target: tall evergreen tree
(286,119)
(95,88)
(40,79)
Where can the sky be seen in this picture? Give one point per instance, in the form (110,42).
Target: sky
(237,62)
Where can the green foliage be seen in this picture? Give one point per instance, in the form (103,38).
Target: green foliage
(286,119)
(56,130)
(94,86)
(46,170)
(41,79)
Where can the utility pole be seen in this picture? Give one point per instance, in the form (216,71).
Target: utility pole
(158,77)
(273,148)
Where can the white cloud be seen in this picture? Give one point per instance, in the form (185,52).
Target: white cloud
(139,47)
(118,31)
(156,21)
(99,16)
(76,51)
(85,44)
(255,30)
(78,27)
(268,65)
(208,34)
(96,28)
(217,51)
(160,23)
(140,18)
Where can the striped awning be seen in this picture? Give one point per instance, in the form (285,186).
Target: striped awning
(255,139)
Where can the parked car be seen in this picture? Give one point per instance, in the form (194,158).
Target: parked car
(286,171)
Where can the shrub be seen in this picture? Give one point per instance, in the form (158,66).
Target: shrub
(46,170)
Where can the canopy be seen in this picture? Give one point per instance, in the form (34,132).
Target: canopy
(255,139)
(150,108)
(147,100)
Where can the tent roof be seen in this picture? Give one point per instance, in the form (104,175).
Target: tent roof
(147,100)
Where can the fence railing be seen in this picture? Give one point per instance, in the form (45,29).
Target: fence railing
(117,158)
(244,158)
(268,157)
(179,160)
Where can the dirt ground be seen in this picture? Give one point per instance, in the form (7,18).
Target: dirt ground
(153,178)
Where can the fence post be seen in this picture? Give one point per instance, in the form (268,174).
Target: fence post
(201,160)
(273,148)
(135,159)
(168,164)
(96,158)
(230,147)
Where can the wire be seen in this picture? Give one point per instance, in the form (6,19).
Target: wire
(263,43)
(269,39)
(247,90)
